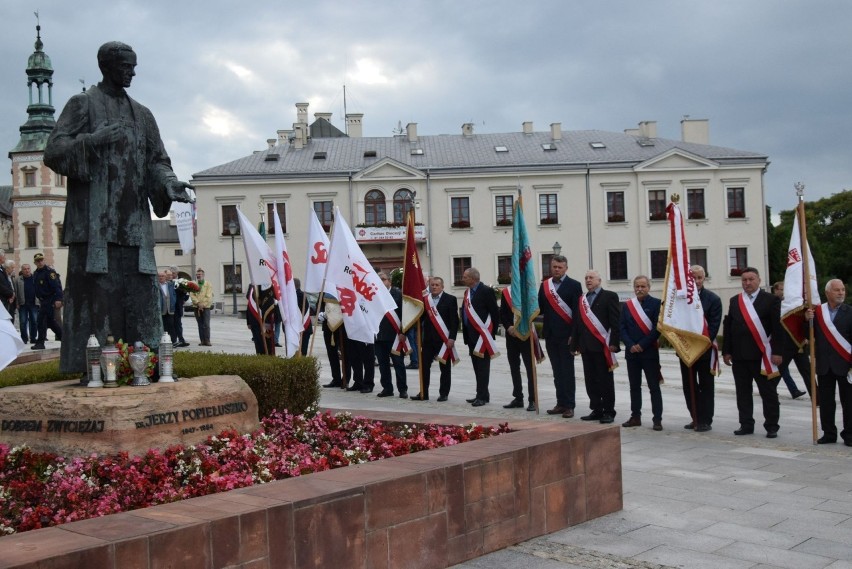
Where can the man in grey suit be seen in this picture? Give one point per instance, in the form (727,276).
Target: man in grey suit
(833,332)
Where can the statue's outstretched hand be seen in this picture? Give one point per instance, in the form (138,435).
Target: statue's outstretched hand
(177,191)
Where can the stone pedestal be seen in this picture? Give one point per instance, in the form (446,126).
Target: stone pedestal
(71,420)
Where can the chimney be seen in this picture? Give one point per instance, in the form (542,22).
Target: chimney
(326,116)
(354,123)
(302,113)
(631,131)
(284,137)
(467,129)
(270,142)
(411,130)
(299,132)
(528,127)
(648,129)
(556,130)
(695,130)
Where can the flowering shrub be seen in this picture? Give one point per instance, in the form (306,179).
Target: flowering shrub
(41,489)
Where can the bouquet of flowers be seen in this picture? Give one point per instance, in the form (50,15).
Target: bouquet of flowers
(124,373)
(187,285)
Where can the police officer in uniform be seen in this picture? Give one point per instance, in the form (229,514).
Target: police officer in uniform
(48,289)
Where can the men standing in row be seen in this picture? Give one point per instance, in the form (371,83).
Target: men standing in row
(27,304)
(49,293)
(202,303)
(558,298)
(439,327)
(596,338)
(752,332)
(833,336)
(642,351)
(389,336)
(480,317)
(698,379)
(517,350)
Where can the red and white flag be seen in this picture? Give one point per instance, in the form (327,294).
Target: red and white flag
(793,303)
(682,319)
(288,306)
(363,298)
(317,259)
(263,269)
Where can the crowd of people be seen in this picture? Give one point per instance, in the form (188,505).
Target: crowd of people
(588,321)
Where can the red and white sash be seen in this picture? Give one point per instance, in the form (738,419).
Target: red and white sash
(485,344)
(539,353)
(306,320)
(754,325)
(639,316)
(600,333)
(556,303)
(447,352)
(840,344)
(399,346)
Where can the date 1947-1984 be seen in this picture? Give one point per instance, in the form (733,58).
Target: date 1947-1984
(190,430)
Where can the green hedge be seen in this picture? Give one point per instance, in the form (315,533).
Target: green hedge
(291,384)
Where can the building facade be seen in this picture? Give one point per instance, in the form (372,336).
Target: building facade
(597,197)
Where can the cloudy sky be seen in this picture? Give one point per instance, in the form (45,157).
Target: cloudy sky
(772,76)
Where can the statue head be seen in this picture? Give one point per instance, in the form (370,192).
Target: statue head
(117,62)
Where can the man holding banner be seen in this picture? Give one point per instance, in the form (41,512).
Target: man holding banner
(752,330)
(833,333)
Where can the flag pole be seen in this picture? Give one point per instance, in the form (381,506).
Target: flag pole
(322,296)
(806,281)
(534,367)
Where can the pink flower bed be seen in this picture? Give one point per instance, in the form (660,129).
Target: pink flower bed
(41,489)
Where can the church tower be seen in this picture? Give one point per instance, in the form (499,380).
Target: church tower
(38,194)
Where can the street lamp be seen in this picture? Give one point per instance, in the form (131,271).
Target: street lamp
(232,229)
(557,248)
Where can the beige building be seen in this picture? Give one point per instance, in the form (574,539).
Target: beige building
(598,197)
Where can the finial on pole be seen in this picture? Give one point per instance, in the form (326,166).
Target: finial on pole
(800,189)
(675,198)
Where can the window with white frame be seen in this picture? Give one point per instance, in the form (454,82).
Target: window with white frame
(736,203)
(232,276)
(281,207)
(548,213)
(31,232)
(403,202)
(325,213)
(460,265)
(659,259)
(545,265)
(503,210)
(656,205)
(695,203)
(504,269)
(618,266)
(699,257)
(737,260)
(615,207)
(374,208)
(229,217)
(460,212)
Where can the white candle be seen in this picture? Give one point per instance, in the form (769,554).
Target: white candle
(110,371)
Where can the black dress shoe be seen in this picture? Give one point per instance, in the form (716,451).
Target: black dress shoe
(702,428)
(531,407)
(419,397)
(848,443)
(332,384)
(514,404)
(411,366)
(403,395)
(826,440)
(798,394)
(558,410)
(689,426)
(384,394)
(184,344)
(366,390)
(744,431)
(354,388)
(442,398)
(37,346)
(772,435)
(479,402)
(471,400)
(607,418)
(593,416)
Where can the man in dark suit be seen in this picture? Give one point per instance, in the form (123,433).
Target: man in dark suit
(516,350)
(752,345)
(387,336)
(557,300)
(700,379)
(596,338)
(639,333)
(480,318)
(434,345)
(790,352)
(833,336)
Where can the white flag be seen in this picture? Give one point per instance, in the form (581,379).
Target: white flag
(184,214)
(682,319)
(263,270)
(291,314)
(317,259)
(794,285)
(364,299)
(10,341)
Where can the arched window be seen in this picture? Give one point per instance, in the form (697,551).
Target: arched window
(403,202)
(374,208)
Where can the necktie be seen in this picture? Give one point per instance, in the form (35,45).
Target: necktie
(557,282)
(590,296)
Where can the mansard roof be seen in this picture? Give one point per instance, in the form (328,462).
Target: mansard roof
(514,151)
